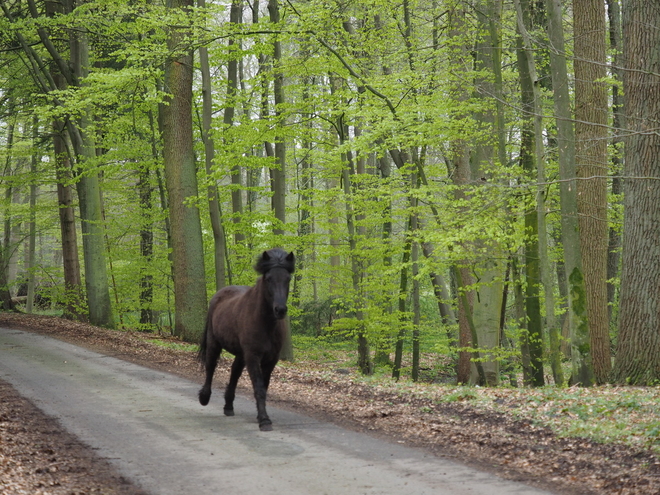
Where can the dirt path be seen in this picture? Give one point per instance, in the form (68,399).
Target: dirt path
(515,450)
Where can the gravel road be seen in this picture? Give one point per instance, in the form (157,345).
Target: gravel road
(151,427)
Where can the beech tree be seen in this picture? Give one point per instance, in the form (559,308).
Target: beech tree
(582,368)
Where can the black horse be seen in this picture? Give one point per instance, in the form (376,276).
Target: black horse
(249,323)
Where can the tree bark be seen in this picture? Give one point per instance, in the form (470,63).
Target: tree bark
(146,247)
(6,245)
(582,369)
(278,173)
(638,351)
(89,196)
(364,355)
(531,159)
(228,119)
(32,235)
(73,305)
(591,164)
(190,300)
(403,294)
(414,258)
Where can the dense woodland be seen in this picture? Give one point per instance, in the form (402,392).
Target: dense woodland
(476,180)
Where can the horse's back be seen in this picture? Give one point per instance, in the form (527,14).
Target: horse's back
(226,294)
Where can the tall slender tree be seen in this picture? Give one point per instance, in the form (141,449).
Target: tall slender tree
(591,165)
(6,246)
(582,368)
(219,241)
(531,99)
(89,196)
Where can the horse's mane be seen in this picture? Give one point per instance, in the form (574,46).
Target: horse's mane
(275,258)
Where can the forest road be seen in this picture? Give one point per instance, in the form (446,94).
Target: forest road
(150,425)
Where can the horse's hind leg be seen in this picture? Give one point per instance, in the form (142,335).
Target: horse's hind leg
(230,392)
(212,355)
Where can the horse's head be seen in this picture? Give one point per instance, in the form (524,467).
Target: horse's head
(276,266)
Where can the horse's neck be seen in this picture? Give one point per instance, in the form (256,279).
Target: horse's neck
(265,307)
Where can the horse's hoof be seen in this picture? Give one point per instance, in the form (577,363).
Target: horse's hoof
(204,397)
(266,427)
(229,412)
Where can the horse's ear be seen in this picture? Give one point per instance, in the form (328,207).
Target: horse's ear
(291,257)
(265,256)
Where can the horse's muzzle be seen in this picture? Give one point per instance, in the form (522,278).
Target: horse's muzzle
(280,311)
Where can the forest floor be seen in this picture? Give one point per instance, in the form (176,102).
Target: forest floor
(479,427)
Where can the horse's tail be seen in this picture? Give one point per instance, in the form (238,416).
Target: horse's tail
(201,355)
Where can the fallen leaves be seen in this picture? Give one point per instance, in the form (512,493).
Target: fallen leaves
(37,457)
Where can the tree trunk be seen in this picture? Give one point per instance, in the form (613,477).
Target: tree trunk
(531,159)
(582,372)
(466,306)
(521,317)
(6,245)
(591,163)
(73,305)
(32,235)
(235,16)
(89,197)
(403,294)
(534,334)
(614,243)
(146,248)
(305,204)
(190,300)
(415,293)
(460,172)
(278,173)
(219,242)
(364,355)
(638,351)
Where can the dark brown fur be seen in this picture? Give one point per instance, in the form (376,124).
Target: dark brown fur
(249,323)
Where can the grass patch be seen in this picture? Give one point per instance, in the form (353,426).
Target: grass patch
(628,415)
(319,351)
(177,345)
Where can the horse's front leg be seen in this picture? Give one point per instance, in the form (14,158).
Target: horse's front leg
(259,386)
(230,392)
(267,367)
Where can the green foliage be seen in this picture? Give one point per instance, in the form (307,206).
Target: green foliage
(361,88)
